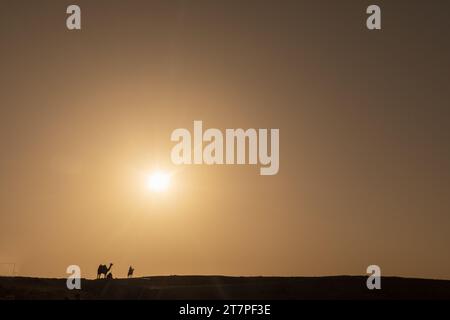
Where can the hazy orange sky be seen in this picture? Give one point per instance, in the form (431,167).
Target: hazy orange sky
(364,137)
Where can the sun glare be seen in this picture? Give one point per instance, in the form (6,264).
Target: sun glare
(158,181)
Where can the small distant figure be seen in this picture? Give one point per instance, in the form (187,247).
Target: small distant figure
(103,269)
(130,272)
(109,276)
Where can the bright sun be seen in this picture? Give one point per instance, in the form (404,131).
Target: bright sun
(158,181)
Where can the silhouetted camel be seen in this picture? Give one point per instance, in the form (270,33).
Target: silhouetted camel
(130,272)
(103,269)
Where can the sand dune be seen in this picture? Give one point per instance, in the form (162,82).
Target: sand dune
(221,287)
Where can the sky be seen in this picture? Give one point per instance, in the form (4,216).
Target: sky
(364,125)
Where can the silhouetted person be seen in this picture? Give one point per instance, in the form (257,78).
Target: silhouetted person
(130,272)
(109,276)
